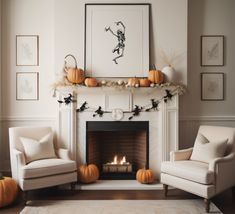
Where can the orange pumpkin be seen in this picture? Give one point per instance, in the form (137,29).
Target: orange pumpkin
(8,191)
(156,76)
(74,75)
(145,176)
(144,82)
(88,173)
(133,81)
(91,82)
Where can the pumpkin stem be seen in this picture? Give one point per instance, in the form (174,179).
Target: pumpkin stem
(1,176)
(70,55)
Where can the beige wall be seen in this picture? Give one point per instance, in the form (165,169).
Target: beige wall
(208,17)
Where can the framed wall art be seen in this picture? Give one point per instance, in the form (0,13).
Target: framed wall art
(27,86)
(212,86)
(27,50)
(117,40)
(212,50)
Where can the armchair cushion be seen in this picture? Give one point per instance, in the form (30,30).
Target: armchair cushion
(189,170)
(206,151)
(35,150)
(47,167)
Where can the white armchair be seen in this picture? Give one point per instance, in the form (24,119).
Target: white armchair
(43,172)
(200,178)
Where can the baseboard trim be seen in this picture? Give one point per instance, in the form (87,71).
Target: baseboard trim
(208,118)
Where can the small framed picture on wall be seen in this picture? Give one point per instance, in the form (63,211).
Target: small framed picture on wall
(27,86)
(27,50)
(212,50)
(212,86)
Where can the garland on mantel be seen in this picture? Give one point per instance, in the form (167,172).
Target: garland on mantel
(153,106)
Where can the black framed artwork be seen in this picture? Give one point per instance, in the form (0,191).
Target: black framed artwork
(212,50)
(212,86)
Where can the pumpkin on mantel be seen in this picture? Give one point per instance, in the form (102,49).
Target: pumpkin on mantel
(88,173)
(133,81)
(144,82)
(8,190)
(91,82)
(74,75)
(156,76)
(145,176)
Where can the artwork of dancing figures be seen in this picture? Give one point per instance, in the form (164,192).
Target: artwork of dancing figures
(212,50)
(27,50)
(117,40)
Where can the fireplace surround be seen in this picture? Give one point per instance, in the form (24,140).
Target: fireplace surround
(106,140)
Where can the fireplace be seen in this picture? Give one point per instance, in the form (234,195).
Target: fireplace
(119,149)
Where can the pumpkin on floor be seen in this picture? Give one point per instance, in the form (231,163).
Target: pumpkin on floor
(74,75)
(145,176)
(133,81)
(144,82)
(8,190)
(88,173)
(91,82)
(156,76)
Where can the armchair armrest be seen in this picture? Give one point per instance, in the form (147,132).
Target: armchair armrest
(20,158)
(183,154)
(214,164)
(63,154)
(224,171)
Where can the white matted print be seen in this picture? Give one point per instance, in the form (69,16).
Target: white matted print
(212,50)
(27,86)
(212,86)
(27,50)
(117,40)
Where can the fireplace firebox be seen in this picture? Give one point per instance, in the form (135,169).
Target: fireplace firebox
(119,149)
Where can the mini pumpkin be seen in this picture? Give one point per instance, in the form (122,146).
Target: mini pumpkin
(145,176)
(74,75)
(133,81)
(8,190)
(144,82)
(91,82)
(88,173)
(156,76)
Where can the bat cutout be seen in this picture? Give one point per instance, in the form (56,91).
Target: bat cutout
(154,105)
(136,112)
(82,107)
(168,96)
(99,112)
(67,100)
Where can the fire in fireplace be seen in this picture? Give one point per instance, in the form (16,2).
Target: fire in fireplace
(119,149)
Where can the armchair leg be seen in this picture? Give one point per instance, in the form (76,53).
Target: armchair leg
(165,187)
(207,205)
(72,186)
(25,196)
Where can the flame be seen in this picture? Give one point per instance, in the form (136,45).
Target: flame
(115,160)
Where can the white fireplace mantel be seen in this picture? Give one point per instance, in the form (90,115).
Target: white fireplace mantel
(163,124)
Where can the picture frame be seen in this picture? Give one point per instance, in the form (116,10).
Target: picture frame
(27,50)
(212,86)
(27,86)
(116,40)
(212,50)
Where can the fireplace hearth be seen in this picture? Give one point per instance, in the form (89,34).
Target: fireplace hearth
(119,149)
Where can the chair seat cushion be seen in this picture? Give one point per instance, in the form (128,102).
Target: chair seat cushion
(47,167)
(189,170)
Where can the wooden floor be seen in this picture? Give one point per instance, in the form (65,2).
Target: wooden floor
(225,201)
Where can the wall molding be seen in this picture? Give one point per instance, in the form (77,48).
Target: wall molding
(208,118)
(22,119)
